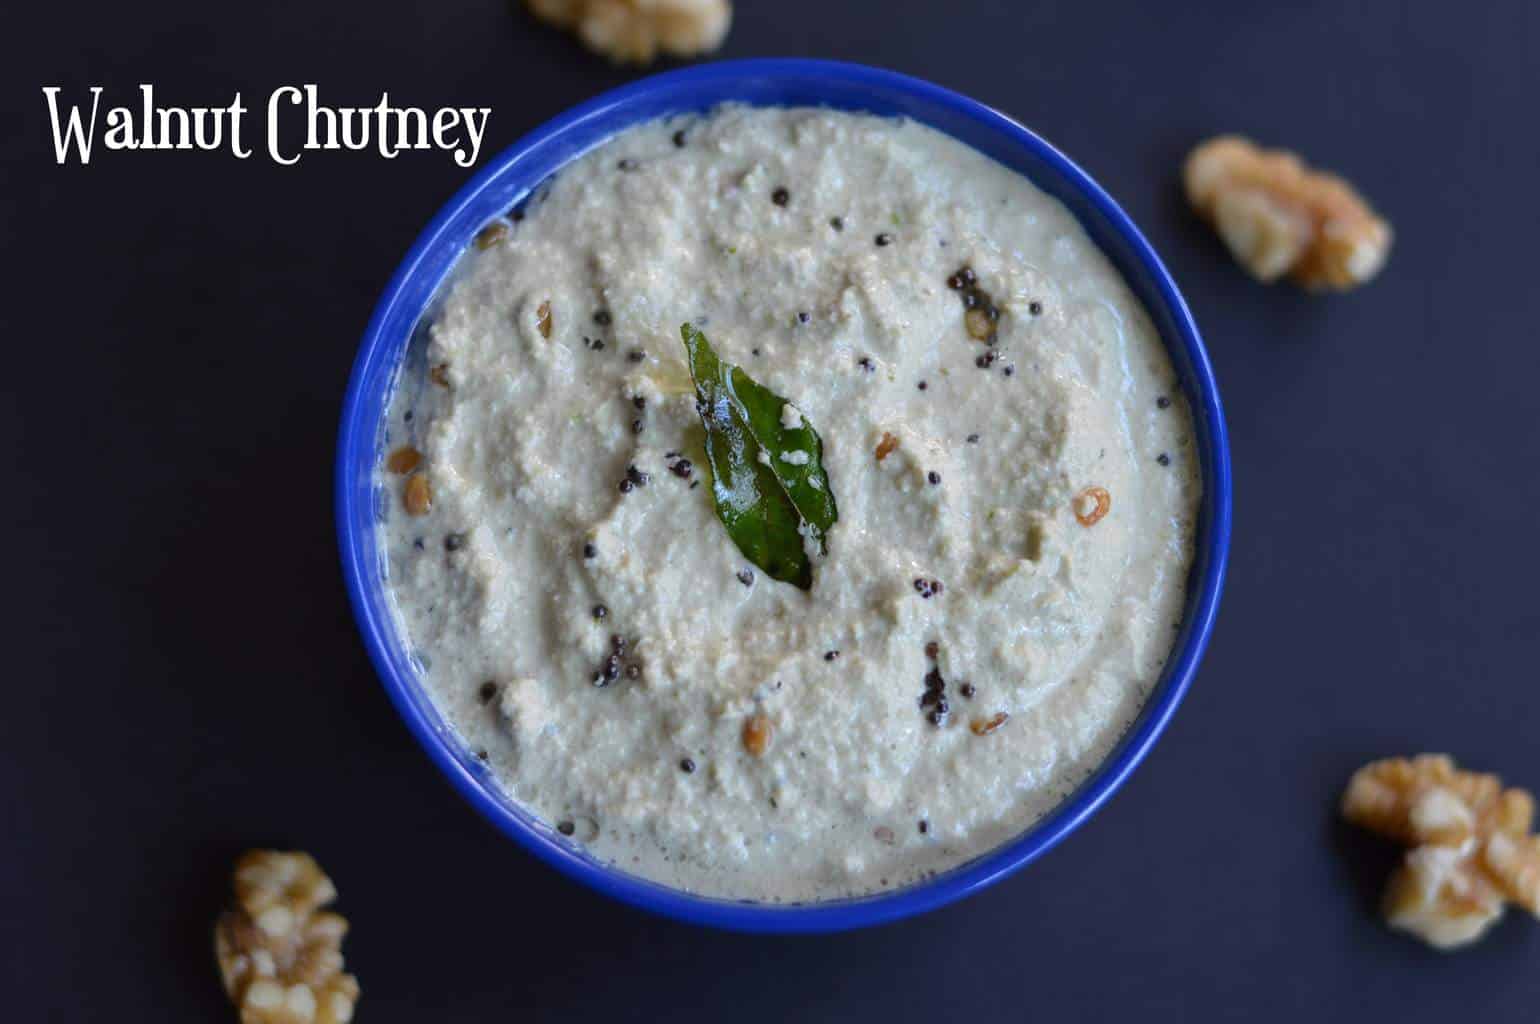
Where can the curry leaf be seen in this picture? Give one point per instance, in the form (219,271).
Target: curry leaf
(766,465)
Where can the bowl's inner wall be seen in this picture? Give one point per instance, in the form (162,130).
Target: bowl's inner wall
(419,283)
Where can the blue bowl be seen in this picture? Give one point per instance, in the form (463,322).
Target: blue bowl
(512,176)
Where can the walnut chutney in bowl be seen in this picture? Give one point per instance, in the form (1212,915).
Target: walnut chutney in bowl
(694,698)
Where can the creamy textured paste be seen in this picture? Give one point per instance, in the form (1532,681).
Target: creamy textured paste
(815,250)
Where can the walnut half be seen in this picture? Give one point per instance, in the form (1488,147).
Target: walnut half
(279,954)
(1471,849)
(1278,216)
(635,31)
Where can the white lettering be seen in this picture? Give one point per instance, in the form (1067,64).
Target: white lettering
(237,116)
(474,129)
(73,132)
(272,122)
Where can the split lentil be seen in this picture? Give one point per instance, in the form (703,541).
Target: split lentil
(417,496)
(756,734)
(491,235)
(1091,505)
(885,446)
(403,460)
(985,726)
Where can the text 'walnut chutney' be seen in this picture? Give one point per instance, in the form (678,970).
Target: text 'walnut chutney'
(1013,462)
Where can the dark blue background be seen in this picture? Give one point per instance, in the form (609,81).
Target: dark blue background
(183,676)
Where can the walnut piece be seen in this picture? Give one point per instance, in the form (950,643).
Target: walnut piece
(635,31)
(1278,216)
(279,954)
(1471,851)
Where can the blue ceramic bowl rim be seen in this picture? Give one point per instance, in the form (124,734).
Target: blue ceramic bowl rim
(358,451)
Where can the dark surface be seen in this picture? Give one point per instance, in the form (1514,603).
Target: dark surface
(184,679)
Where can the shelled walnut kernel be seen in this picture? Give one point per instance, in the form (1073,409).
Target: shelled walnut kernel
(279,954)
(1278,216)
(635,31)
(1471,847)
